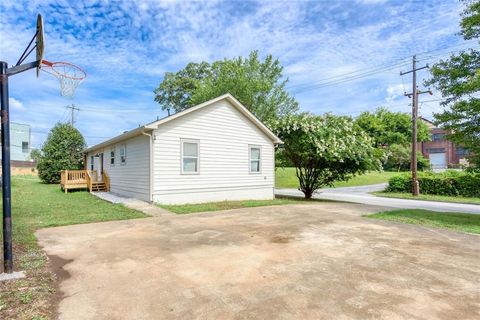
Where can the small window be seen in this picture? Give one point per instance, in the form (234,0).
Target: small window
(436,150)
(255,159)
(91,162)
(460,151)
(123,154)
(190,156)
(25,147)
(112,157)
(438,137)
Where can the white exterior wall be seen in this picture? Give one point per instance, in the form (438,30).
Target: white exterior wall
(225,136)
(131,179)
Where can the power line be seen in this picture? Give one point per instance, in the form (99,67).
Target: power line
(354,75)
(348,76)
(46,133)
(387,65)
(72,108)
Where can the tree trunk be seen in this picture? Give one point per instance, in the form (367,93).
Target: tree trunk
(308,194)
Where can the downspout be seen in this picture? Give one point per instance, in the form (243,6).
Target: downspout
(274,168)
(151,162)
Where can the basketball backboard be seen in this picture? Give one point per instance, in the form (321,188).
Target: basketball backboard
(39,43)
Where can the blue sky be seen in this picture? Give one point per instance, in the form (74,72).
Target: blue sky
(126,47)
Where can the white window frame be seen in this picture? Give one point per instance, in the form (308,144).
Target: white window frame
(114,157)
(123,159)
(197,142)
(250,147)
(92,163)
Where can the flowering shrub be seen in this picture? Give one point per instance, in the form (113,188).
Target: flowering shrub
(324,149)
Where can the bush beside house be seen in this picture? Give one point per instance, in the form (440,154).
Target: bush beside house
(63,150)
(448,183)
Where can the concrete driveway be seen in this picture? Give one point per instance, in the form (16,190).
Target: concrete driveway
(312,261)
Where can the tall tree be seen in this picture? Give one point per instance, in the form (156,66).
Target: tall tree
(458,80)
(258,84)
(388,128)
(176,90)
(325,149)
(63,150)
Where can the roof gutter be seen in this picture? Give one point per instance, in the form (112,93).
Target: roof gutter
(124,136)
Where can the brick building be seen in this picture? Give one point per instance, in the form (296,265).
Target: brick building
(441,152)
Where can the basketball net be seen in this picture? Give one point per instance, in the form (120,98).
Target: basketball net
(69,75)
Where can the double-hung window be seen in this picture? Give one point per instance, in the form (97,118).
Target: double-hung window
(190,156)
(112,157)
(255,159)
(25,146)
(91,162)
(123,154)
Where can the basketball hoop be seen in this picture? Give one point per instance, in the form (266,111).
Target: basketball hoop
(69,75)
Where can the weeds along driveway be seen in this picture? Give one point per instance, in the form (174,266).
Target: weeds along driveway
(286,262)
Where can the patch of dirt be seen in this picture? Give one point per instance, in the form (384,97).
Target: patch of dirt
(30,297)
(281,239)
(56,265)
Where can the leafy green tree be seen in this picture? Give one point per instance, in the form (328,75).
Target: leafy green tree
(63,150)
(257,84)
(458,80)
(176,90)
(398,158)
(387,128)
(392,136)
(325,149)
(35,154)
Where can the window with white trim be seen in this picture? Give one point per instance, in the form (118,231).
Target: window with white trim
(190,156)
(255,159)
(91,162)
(123,154)
(112,157)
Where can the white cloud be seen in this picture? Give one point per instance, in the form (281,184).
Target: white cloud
(16,104)
(394,92)
(126,46)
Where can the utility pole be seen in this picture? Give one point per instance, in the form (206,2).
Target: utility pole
(72,113)
(414,95)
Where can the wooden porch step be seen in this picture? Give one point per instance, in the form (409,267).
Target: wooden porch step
(99,186)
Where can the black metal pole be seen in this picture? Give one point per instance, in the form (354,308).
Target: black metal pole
(6,191)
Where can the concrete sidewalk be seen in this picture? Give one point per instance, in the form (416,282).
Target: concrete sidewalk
(361,195)
(132,203)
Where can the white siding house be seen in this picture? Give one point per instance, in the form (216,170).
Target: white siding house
(214,151)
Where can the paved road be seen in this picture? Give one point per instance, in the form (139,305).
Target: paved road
(361,195)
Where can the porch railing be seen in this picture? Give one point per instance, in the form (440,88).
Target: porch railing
(80,179)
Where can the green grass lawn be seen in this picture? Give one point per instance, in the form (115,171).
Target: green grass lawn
(456,221)
(286,178)
(226,205)
(429,197)
(36,205)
